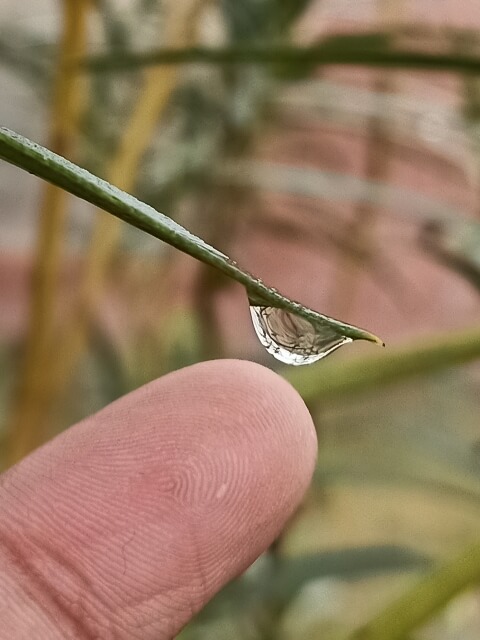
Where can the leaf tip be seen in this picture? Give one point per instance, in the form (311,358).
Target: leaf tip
(371,337)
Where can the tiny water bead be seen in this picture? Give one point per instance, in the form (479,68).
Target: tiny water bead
(293,339)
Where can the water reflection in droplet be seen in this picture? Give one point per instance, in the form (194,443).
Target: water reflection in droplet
(293,339)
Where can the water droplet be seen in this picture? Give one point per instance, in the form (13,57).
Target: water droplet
(293,339)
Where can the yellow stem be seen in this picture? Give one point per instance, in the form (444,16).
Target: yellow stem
(33,392)
(159,85)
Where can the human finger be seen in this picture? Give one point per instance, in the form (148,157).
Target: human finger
(128,523)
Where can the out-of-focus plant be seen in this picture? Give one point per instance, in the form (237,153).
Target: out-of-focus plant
(184,137)
(34,392)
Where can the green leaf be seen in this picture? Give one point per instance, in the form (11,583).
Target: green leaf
(45,164)
(423,447)
(28,57)
(348,564)
(277,580)
(424,599)
(336,379)
(366,49)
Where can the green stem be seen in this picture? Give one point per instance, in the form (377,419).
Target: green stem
(371,49)
(424,599)
(47,165)
(335,378)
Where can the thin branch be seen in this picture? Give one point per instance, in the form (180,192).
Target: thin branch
(47,165)
(367,49)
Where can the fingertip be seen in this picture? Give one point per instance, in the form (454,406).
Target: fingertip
(162,497)
(282,422)
(267,420)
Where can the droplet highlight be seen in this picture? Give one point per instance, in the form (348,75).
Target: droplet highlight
(293,339)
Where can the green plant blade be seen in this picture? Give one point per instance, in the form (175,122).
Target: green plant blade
(424,599)
(278,581)
(367,49)
(348,563)
(45,164)
(337,379)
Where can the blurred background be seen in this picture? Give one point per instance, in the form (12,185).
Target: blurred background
(354,189)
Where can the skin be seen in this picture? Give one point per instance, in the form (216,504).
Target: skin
(128,523)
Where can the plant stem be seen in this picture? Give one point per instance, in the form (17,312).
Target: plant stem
(26,429)
(47,165)
(424,599)
(370,49)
